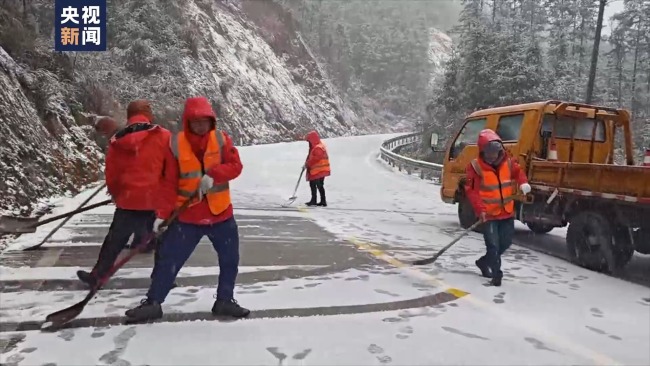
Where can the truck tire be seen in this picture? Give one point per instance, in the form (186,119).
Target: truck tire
(538,228)
(642,240)
(587,238)
(622,250)
(466,215)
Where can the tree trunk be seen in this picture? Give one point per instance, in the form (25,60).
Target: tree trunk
(619,64)
(581,51)
(594,53)
(634,70)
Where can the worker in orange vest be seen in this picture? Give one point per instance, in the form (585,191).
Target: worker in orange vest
(490,187)
(207,161)
(318,167)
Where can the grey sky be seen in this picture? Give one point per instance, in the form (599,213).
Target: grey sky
(613,7)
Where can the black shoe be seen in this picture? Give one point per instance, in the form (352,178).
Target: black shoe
(147,310)
(485,270)
(322,203)
(310,203)
(87,278)
(229,308)
(496,281)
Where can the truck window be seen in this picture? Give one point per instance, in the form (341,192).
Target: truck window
(509,127)
(468,136)
(584,128)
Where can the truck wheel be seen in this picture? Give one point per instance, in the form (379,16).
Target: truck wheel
(538,228)
(466,215)
(642,240)
(622,250)
(589,234)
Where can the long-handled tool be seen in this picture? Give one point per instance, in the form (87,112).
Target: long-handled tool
(432,259)
(62,317)
(60,225)
(22,225)
(293,197)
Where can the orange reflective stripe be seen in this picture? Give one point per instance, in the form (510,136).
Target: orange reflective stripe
(191,170)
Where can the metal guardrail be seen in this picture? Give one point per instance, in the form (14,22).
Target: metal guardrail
(426,170)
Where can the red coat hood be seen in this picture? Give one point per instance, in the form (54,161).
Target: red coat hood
(486,136)
(137,130)
(313,138)
(197,107)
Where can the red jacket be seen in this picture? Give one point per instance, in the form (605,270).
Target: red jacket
(315,155)
(473,180)
(135,163)
(230,168)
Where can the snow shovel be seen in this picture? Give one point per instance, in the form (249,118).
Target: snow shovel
(432,259)
(293,197)
(62,317)
(22,225)
(66,219)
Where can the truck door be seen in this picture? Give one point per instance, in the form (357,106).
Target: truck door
(461,152)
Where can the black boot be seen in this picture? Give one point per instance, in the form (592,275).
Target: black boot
(87,278)
(323,201)
(311,203)
(229,308)
(485,270)
(496,281)
(147,310)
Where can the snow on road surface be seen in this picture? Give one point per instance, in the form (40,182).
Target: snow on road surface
(548,311)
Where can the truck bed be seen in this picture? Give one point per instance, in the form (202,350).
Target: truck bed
(628,183)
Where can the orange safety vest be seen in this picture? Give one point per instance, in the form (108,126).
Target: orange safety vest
(192,170)
(497,188)
(321,166)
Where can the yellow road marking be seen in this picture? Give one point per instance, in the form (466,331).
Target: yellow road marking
(512,319)
(380,254)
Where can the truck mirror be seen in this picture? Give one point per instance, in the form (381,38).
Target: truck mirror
(434,140)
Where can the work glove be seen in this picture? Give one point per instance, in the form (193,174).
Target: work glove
(157,225)
(525,188)
(206,183)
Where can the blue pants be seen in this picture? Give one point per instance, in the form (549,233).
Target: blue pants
(498,238)
(178,243)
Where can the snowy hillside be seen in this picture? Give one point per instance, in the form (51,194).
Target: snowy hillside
(439,52)
(213,49)
(42,149)
(246,56)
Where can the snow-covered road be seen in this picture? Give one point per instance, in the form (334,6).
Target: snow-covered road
(548,311)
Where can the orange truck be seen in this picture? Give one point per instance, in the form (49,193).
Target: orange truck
(568,151)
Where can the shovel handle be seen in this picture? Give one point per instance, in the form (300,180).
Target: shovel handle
(302,171)
(73,212)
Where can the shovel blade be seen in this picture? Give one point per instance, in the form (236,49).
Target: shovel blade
(17,225)
(62,317)
(425,261)
(290,201)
